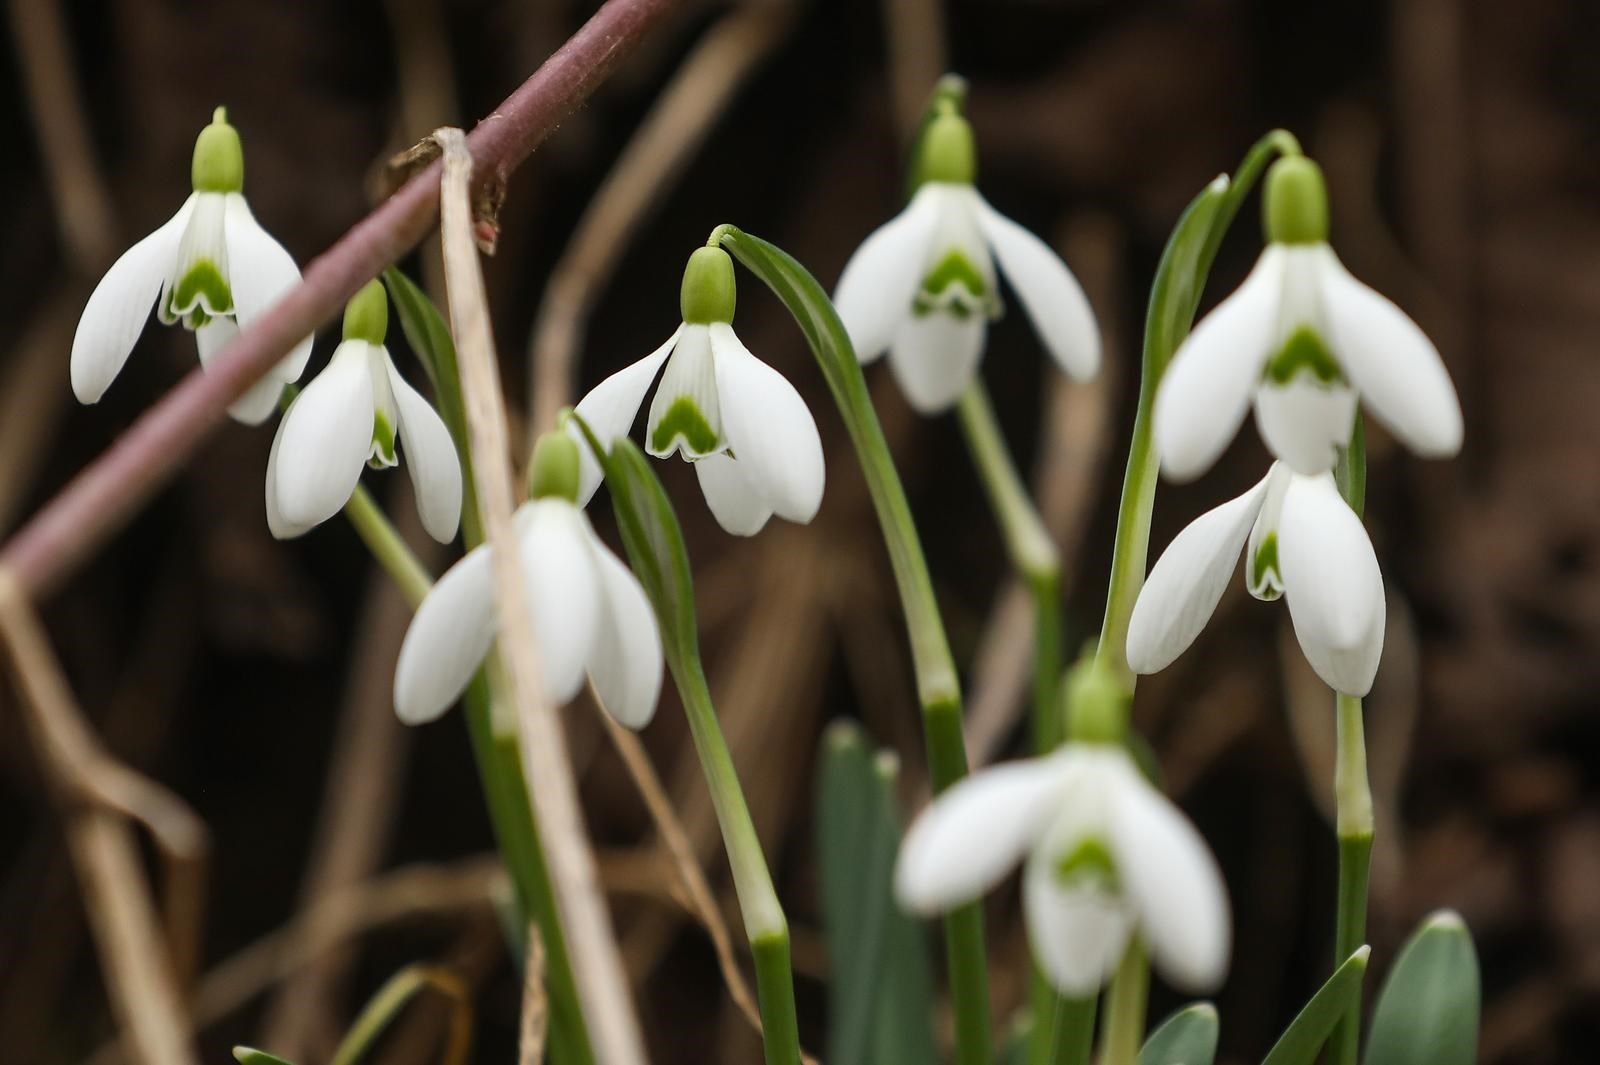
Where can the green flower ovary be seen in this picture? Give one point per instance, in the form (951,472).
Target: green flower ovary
(1304,350)
(942,289)
(382,455)
(199,294)
(684,418)
(1090,862)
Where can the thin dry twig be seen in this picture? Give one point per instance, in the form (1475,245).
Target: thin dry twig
(654,158)
(597,962)
(96,795)
(535,1003)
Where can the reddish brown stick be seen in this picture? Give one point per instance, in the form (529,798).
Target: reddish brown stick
(101,498)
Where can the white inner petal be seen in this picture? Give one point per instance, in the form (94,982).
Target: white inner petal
(385,411)
(191,293)
(685,415)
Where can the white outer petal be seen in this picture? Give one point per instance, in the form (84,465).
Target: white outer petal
(1174,883)
(260,271)
(935,358)
(1078,933)
(1183,588)
(971,835)
(324,439)
(1332,581)
(558,568)
(1047,289)
(280,527)
(261,398)
(1392,363)
(609,410)
(430,457)
(769,429)
(737,506)
(882,277)
(1207,388)
(1304,423)
(120,305)
(625,662)
(451,632)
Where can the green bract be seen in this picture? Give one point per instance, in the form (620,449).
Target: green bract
(1295,203)
(218,164)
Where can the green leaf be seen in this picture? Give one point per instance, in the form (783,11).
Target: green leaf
(252,1056)
(393,996)
(1300,1044)
(1427,1012)
(428,334)
(1187,1037)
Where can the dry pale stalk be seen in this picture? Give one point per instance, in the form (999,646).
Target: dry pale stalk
(535,1003)
(95,796)
(596,961)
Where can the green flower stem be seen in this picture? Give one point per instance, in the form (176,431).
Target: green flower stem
(1028,542)
(780,1030)
(1125,1004)
(1173,301)
(1066,1023)
(386,546)
(938,686)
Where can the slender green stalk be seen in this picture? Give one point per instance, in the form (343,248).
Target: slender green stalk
(1125,1004)
(1028,542)
(780,1031)
(938,684)
(386,546)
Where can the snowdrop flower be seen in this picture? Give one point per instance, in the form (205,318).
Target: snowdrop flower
(589,612)
(1305,341)
(750,436)
(211,266)
(354,414)
(923,287)
(1107,855)
(1301,541)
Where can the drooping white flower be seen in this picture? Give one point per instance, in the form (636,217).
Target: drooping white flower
(751,437)
(1107,855)
(360,412)
(590,615)
(923,286)
(1304,341)
(211,266)
(1301,541)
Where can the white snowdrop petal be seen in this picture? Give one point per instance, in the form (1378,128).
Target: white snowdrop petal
(1183,588)
(972,834)
(1078,932)
(563,593)
(769,429)
(1332,582)
(688,393)
(1264,579)
(260,271)
(447,640)
(325,437)
(1174,883)
(1304,423)
(625,664)
(1051,295)
(609,410)
(737,506)
(1392,362)
(1206,389)
(120,305)
(882,277)
(429,456)
(261,398)
(280,527)
(935,357)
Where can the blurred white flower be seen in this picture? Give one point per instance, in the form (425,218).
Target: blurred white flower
(751,437)
(1107,856)
(211,266)
(360,412)
(1302,541)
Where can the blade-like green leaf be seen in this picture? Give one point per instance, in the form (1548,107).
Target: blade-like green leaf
(428,334)
(252,1056)
(393,996)
(1427,1012)
(1188,1037)
(1303,1040)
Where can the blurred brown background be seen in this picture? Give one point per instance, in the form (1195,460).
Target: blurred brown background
(1462,146)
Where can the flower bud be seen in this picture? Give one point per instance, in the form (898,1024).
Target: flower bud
(1295,204)
(366,316)
(554,469)
(708,288)
(218,157)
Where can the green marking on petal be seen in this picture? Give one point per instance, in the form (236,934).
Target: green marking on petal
(1265,561)
(201,294)
(383,434)
(954,268)
(1090,861)
(1304,350)
(684,418)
